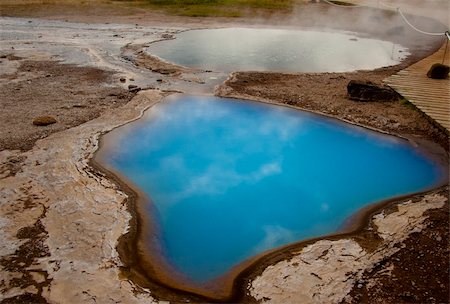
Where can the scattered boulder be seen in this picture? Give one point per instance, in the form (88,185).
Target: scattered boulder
(368,91)
(122,79)
(438,71)
(44,121)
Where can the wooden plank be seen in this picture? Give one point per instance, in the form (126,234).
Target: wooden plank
(423,96)
(424,91)
(444,111)
(422,87)
(441,106)
(434,110)
(436,115)
(421,82)
(431,96)
(429,101)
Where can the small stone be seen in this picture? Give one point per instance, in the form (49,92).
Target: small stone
(416,230)
(382,120)
(122,79)
(133,88)
(44,121)
(159,80)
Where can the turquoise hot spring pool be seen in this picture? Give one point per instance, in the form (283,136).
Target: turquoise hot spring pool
(229,179)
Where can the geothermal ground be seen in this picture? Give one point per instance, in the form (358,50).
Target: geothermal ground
(67,227)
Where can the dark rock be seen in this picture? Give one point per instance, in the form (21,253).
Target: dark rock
(133,88)
(44,121)
(368,91)
(127,58)
(122,79)
(10,57)
(167,36)
(438,71)
(164,71)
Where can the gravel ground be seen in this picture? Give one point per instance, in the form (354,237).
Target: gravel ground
(70,94)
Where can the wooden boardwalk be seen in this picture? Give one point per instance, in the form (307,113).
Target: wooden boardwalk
(431,96)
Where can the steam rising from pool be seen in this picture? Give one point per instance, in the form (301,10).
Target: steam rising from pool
(238,49)
(230,179)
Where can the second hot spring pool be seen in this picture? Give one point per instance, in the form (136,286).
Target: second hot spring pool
(229,179)
(239,49)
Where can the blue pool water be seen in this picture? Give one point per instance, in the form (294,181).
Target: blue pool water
(238,49)
(230,179)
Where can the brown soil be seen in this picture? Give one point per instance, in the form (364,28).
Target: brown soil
(21,261)
(418,273)
(71,94)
